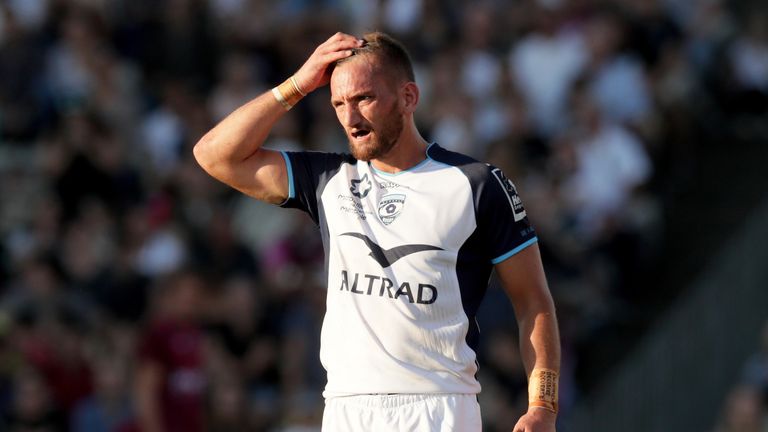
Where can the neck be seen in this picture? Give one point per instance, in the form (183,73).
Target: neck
(409,151)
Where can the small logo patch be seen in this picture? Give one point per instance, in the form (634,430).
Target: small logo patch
(511,191)
(360,188)
(390,207)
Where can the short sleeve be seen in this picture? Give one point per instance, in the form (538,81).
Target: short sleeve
(308,173)
(501,217)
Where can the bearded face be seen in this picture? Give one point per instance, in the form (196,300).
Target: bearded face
(374,141)
(367,106)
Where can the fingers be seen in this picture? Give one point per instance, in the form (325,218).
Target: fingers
(334,45)
(337,55)
(314,71)
(339,46)
(519,426)
(340,37)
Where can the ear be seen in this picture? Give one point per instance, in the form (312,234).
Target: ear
(409,96)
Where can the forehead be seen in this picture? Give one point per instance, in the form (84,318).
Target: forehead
(362,73)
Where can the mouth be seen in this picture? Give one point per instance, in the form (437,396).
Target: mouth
(360,133)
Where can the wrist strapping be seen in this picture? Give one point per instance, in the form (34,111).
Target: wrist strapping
(542,389)
(288,93)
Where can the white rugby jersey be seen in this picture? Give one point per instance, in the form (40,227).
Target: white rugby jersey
(408,259)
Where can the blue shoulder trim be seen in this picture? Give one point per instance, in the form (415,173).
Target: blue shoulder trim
(514,251)
(291,190)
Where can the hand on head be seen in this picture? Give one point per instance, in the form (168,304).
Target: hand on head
(316,71)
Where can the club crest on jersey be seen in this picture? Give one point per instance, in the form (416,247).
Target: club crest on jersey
(511,191)
(390,206)
(360,188)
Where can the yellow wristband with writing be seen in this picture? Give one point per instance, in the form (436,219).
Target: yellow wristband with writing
(543,388)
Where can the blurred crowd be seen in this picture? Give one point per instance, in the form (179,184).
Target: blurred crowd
(745,408)
(136,293)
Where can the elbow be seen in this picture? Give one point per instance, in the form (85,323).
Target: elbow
(540,308)
(202,151)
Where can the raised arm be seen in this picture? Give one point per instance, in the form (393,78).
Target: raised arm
(231,152)
(523,279)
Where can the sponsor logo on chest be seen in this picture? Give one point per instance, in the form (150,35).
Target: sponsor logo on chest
(381,286)
(378,286)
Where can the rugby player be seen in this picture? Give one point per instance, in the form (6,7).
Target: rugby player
(411,233)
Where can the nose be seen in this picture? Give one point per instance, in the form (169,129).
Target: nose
(349,116)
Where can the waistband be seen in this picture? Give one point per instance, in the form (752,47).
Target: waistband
(397,399)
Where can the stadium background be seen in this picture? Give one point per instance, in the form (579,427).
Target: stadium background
(635,130)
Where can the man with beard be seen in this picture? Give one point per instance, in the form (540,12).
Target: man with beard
(411,234)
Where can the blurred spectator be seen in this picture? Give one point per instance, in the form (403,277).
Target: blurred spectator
(163,132)
(161,249)
(545,64)
(481,70)
(39,303)
(170,380)
(709,25)
(109,408)
(748,61)
(744,411)
(228,409)
(180,43)
(20,61)
(504,394)
(755,372)
(32,408)
(71,69)
(63,364)
(245,342)
(402,17)
(221,253)
(238,83)
(650,29)
(247,334)
(618,81)
(749,57)
(73,163)
(609,163)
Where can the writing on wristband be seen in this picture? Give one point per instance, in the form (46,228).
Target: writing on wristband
(542,389)
(288,93)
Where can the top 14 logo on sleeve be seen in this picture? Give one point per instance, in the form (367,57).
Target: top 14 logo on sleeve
(511,191)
